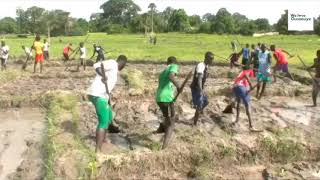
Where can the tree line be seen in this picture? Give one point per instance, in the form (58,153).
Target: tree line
(122,16)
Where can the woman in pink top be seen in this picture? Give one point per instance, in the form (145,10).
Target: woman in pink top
(282,62)
(241,88)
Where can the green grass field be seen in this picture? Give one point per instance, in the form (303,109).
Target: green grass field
(186,47)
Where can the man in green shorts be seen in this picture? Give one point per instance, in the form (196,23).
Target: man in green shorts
(264,70)
(165,98)
(100,98)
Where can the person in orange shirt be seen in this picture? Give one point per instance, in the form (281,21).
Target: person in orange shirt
(66,51)
(38,47)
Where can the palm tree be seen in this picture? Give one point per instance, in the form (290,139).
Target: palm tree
(152,7)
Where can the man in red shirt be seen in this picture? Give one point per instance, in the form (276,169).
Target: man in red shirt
(241,88)
(66,51)
(282,62)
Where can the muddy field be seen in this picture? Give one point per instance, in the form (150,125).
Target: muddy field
(287,148)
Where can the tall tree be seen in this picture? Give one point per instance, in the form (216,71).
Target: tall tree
(119,11)
(35,19)
(152,8)
(195,21)
(282,24)
(262,24)
(8,25)
(179,21)
(224,22)
(22,20)
(166,14)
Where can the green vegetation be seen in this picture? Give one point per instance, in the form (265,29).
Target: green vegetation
(125,16)
(186,47)
(11,75)
(282,147)
(134,78)
(57,104)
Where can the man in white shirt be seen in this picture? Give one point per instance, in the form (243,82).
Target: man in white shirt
(83,55)
(101,98)
(4,55)
(199,99)
(46,49)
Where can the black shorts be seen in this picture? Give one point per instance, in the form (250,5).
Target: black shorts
(46,55)
(165,107)
(3,61)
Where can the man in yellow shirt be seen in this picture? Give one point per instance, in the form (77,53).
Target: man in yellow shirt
(38,47)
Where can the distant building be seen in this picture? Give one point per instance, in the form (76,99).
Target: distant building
(265,34)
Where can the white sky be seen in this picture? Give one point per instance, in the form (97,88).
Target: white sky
(270,9)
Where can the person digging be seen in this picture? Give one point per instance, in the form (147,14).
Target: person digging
(241,89)
(165,98)
(199,99)
(99,94)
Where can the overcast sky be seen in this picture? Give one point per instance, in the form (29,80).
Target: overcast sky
(253,9)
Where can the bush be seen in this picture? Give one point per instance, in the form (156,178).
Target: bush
(22,36)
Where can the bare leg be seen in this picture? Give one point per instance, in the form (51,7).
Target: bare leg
(41,66)
(238,111)
(168,131)
(249,116)
(169,127)
(263,89)
(314,95)
(34,67)
(196,116)
(274,74)
(258,90)
(100,136)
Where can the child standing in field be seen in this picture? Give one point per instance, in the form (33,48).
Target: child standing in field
(245,52)
(282,62)
(4,55)
(66,51)
(83,53)
(316,80)
(241,89)
(264,70)
(38,47)
(46,49)
(254,59)
(165,98)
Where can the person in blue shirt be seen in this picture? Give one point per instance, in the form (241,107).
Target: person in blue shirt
(245,52)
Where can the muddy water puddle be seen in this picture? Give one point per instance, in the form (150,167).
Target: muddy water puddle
(17,128)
